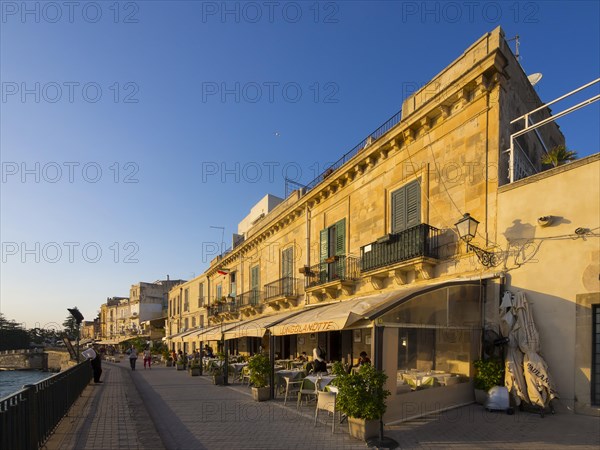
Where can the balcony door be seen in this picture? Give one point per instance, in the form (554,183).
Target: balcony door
(333,251)
(287,271)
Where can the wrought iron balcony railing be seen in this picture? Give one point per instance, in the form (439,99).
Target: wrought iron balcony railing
(421,240)
(253,297)
(337,268)
(284,287)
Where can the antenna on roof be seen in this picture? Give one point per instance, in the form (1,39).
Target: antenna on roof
(516,39)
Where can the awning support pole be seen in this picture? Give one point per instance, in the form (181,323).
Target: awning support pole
(272,360)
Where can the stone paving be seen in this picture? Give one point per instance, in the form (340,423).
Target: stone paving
(164,408)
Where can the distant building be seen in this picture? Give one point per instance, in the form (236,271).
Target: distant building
(123,316)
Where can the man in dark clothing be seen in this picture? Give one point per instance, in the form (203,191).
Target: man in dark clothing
(97,367)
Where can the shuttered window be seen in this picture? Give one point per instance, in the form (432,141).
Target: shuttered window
(406,207)
(254,282)
(333,240)
(287,262)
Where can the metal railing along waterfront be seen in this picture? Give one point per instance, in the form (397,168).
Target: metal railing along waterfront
(28,417)
(420,240)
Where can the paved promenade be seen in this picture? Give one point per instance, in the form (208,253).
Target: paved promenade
(166,409)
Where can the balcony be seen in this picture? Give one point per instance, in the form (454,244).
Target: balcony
(250,302)
(326,279)
(394,255)
(281,292)
(218,312)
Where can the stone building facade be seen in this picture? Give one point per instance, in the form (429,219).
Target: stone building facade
(367,256)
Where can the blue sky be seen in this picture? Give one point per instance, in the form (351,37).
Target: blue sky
(129,129)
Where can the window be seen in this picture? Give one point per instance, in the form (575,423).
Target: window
(406,207)
(201,321)
(201,295)
(193,322)
(186,323)
(232,285)
(186,299)
(287,270)
(333,248)
(333,240)
(254,284)
(219,291)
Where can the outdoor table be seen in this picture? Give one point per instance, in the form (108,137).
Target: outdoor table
(290,373)
(237,369)
(323,380)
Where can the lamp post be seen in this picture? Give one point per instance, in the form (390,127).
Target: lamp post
(78,319)
(467,229)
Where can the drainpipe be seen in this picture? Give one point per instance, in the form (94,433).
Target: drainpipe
(307,246)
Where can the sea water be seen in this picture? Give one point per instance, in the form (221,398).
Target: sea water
(12,381)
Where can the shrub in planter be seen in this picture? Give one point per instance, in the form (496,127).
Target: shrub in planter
(194,368)
(260,371)
(488,373)
(362,398)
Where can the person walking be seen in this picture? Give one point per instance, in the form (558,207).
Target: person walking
(147,358)
(132,357)
(96,363)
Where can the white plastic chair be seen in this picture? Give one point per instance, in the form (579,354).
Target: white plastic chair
(326,402)
(291,387)
(308,389)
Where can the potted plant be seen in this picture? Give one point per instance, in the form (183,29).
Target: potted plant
(260,370)
(362,398)
(194,368)
(180,363)
(488,373)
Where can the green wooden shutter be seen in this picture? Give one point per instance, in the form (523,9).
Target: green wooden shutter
(398,210)
(406,207)
(254,282)
(287,270)
(340,237)
(254,278)
(413,204)
(287,258)
(324,245)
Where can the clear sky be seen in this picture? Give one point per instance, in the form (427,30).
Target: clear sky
(129,129)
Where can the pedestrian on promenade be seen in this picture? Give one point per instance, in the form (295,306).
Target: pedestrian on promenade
(132,357)
(147,358)
(97,366)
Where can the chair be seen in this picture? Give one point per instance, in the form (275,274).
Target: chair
(326,402)
(245,374)
(307,388)
(291,386)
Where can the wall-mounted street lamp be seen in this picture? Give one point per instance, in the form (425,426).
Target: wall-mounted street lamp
(467,229)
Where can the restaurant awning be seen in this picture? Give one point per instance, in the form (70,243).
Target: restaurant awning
(358,312)
(330,317)
(216,333)
(257,327)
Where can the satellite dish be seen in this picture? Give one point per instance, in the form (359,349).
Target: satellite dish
(534,78)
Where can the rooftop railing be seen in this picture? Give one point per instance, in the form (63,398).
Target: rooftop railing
(370,139)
